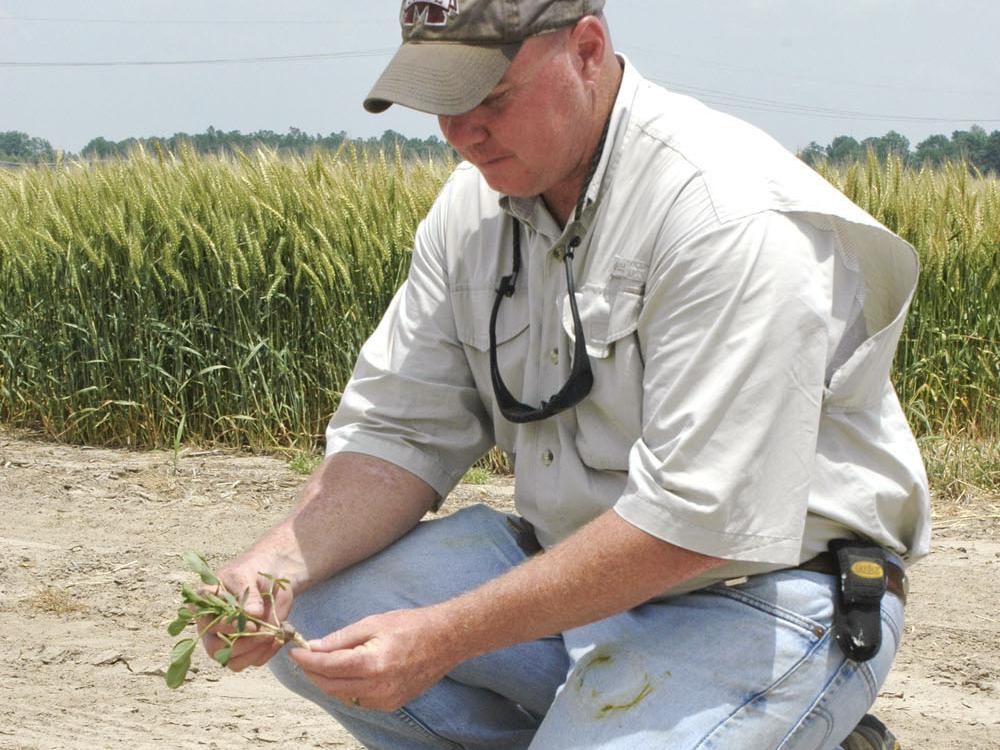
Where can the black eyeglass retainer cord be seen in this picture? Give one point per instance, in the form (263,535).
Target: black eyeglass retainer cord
(581,378)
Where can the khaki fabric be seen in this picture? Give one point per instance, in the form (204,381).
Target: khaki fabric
(488,21)
(455,51)
(741,317)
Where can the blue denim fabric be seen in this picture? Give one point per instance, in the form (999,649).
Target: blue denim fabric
(727,667)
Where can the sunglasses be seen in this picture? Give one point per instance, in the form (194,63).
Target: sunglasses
(581,377)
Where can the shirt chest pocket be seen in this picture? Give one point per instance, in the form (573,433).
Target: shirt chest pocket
(610,419)
(607,315)
(472,308)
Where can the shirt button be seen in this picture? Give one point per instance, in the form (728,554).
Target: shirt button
(547,458)
(559,254)
(554,356)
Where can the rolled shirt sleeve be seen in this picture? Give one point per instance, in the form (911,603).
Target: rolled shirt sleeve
(735,345)
(411,399)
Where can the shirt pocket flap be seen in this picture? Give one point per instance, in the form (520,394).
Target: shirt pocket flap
(472,309)
(607,315)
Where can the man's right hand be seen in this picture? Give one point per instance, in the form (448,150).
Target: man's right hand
(334,525)
(243,574)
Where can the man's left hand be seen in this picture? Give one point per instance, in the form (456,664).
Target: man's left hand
(382,661)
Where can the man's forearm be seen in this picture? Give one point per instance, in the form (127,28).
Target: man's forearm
(352,507)
(605,568)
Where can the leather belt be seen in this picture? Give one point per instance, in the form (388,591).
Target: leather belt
(896,581)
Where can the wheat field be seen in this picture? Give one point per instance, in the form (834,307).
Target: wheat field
(165,299)
(161,299)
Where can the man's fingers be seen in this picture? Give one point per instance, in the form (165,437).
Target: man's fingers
(254,654)
(352,691)
(354,663)
(245,652)
(245,592)
(349,637)
(347,691)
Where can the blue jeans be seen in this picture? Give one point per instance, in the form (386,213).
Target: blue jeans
(748,667)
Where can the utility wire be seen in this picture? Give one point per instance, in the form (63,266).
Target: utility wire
(384,52)
(381,21)
(201,22)
(714,97)
(658,56)
(717,97)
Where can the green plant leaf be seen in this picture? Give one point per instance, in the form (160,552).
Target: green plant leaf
(217,602)
(191,596)
(183,649)
(222,655)
(197,563)
(184,617)
(180,662)
(241,622)
(178,625)
(177,671)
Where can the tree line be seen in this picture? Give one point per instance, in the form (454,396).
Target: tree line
(20,148)
(974,146)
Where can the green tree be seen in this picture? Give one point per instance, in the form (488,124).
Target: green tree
(895,144)
(844,149)
(295,141)
(933,151)
(892,143)
(992,159)
(813,154)
(16,146)
(971,145)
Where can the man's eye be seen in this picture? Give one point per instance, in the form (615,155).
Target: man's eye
(496,100)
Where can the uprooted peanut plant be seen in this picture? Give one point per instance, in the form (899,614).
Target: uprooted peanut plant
(206,609)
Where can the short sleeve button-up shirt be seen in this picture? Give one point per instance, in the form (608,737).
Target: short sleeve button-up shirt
(741,317)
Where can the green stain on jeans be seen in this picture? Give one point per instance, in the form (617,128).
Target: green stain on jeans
(610,708)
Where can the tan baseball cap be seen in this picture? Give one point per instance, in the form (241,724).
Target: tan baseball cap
(455,51)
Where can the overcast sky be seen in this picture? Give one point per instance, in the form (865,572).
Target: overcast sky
(802,70)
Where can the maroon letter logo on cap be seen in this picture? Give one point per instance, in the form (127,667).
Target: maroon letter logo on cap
(431,12)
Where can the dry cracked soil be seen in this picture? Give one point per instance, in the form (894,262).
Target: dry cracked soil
(90,545)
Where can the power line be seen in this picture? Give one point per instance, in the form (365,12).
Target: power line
(714,97)
(717,97)
(384,52)
(199,22)
(757,71)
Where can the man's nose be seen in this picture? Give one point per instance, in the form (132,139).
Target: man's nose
(464,130)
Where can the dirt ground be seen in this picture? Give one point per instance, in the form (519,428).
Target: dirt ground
(90,545)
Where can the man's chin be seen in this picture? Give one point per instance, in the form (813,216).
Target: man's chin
(506,183)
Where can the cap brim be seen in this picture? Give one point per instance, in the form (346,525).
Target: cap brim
(442,78)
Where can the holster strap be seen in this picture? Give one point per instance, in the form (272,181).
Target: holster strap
(895,577)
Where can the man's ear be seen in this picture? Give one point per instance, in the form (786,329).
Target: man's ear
(589,42)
